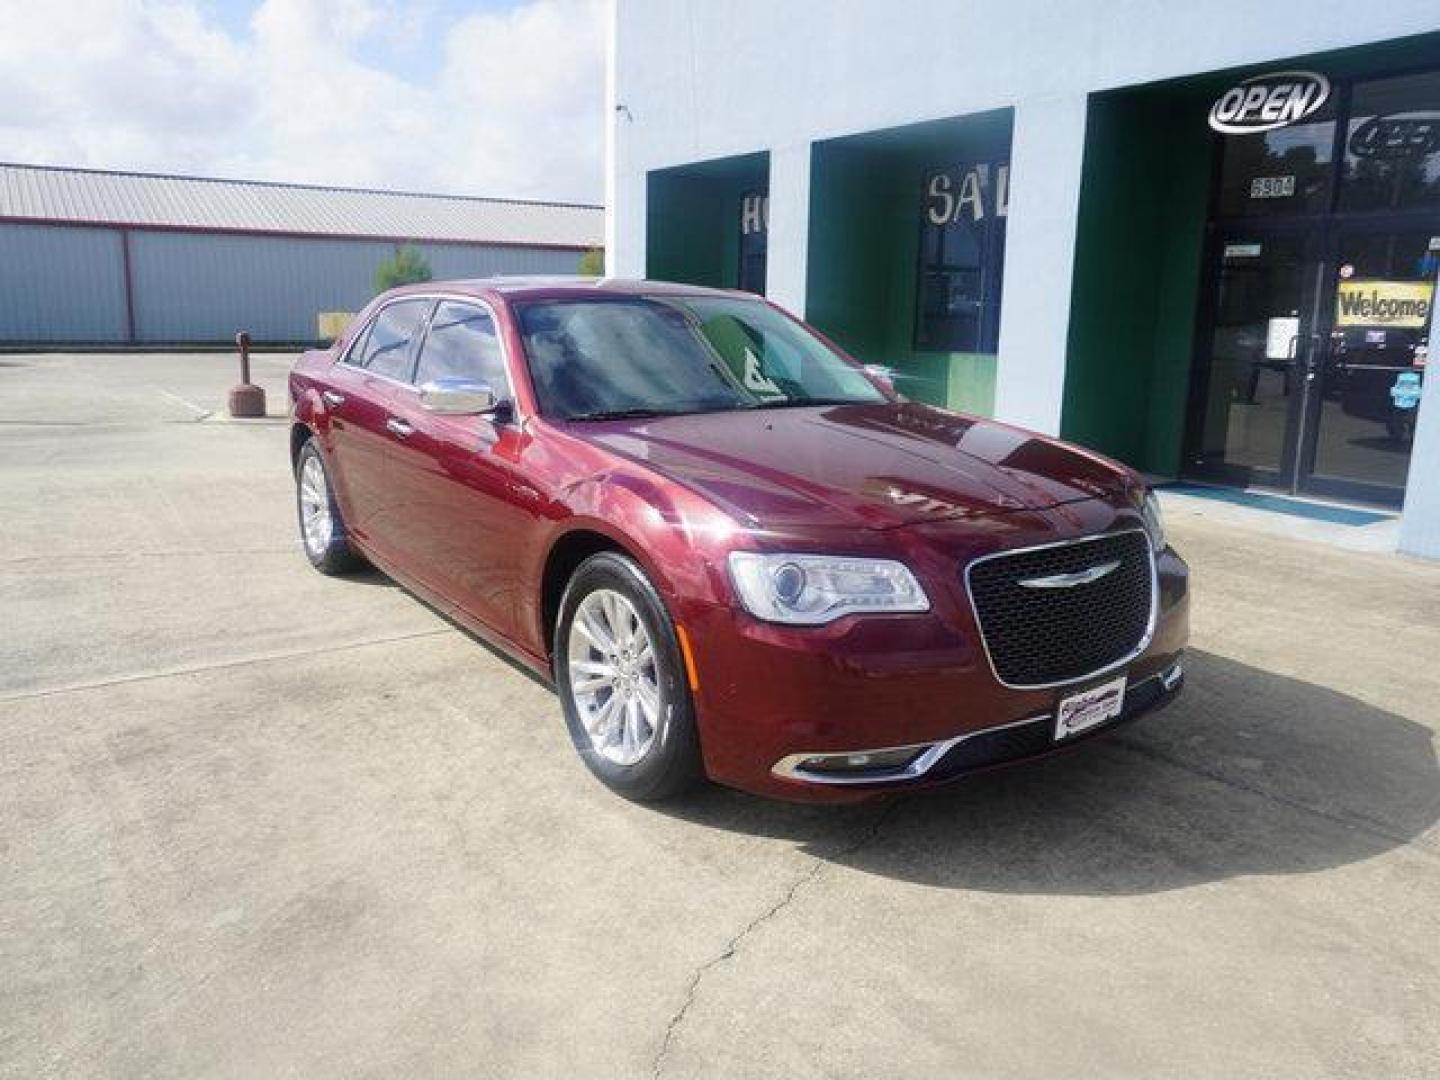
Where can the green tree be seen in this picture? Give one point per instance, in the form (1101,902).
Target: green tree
(592,263)
(406,267)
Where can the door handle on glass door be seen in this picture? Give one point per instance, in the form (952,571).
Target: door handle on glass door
(333,399)
(398,427)
(1315,345)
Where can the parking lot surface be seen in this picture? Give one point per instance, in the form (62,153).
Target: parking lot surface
(257,822)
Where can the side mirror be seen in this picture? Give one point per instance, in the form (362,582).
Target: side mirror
(458,397)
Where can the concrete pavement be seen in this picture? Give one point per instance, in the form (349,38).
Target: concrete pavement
(257,822)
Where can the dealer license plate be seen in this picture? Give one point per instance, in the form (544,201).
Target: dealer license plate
(1080,712)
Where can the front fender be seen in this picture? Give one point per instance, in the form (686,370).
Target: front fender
(668,532)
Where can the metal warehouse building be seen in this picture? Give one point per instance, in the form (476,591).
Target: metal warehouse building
(128,258)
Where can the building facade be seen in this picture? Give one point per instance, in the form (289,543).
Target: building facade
(1203,238)
(104,258)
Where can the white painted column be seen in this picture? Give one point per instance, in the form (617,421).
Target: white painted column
(1420,525)
(612,164)
(788,242)
(1046,159)
(625,185)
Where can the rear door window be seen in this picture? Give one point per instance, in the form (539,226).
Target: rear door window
(389,346)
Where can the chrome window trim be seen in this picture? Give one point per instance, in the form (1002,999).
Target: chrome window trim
(788,767)
(1145,639)
(363,334)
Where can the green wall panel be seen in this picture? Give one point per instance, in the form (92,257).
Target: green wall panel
(1138,247)
(693,219)
(866,197)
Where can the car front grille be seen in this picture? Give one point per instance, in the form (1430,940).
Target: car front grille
(1058,629)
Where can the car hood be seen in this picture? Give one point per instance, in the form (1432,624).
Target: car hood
(873,466)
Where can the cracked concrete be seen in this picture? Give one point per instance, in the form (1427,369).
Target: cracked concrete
(813,871)
(257,822)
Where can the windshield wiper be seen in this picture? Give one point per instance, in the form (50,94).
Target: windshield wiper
(802,403)
(624,414)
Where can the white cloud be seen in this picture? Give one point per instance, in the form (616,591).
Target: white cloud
(507,103)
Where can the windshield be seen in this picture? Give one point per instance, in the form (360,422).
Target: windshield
(647,355)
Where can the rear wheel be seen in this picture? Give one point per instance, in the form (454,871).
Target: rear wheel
(622,681)
(322,529)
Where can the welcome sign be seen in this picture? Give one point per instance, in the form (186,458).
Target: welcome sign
(1391,304)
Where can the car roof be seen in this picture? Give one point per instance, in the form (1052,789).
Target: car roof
(557,287)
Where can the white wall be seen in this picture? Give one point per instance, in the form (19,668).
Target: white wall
(700,79)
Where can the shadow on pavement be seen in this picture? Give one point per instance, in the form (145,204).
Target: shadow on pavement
(1248,772)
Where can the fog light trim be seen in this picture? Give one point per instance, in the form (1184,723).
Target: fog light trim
(917,758)
(1171,676)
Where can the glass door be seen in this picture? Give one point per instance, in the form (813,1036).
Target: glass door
(1367,386)
(1249,398)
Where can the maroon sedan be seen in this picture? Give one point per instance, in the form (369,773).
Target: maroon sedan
(736,553)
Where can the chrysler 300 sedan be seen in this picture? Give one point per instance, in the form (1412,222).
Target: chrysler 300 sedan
(737,553)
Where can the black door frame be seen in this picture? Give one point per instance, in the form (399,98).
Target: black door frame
(1218,236)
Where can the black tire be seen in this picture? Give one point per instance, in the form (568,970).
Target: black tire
(672,764)
(334,555)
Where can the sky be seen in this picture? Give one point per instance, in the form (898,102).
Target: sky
(478,97)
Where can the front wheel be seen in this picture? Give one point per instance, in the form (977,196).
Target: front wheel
(622,682)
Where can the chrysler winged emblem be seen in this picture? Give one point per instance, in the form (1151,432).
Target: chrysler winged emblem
(1069,581)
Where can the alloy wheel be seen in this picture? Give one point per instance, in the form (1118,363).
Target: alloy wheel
(316,522)
(614,676)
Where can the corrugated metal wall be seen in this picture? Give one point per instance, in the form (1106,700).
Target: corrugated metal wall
(66,284)
(61,284)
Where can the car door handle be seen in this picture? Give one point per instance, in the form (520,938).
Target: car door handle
(399,428)
(332,398)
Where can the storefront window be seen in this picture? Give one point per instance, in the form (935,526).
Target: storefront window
(1392,145)
(1286,171)
(1315,349)
(962,257)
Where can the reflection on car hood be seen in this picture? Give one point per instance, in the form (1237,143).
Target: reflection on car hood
(875,466)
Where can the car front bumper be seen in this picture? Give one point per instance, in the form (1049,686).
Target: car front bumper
(975,751)
(915,693)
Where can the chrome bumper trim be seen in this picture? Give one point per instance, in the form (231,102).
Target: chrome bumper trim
(788,767)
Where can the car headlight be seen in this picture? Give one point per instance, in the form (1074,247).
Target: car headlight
(809,590)
(1154,523)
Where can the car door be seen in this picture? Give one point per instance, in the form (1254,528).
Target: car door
(463,524)
(361,400)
